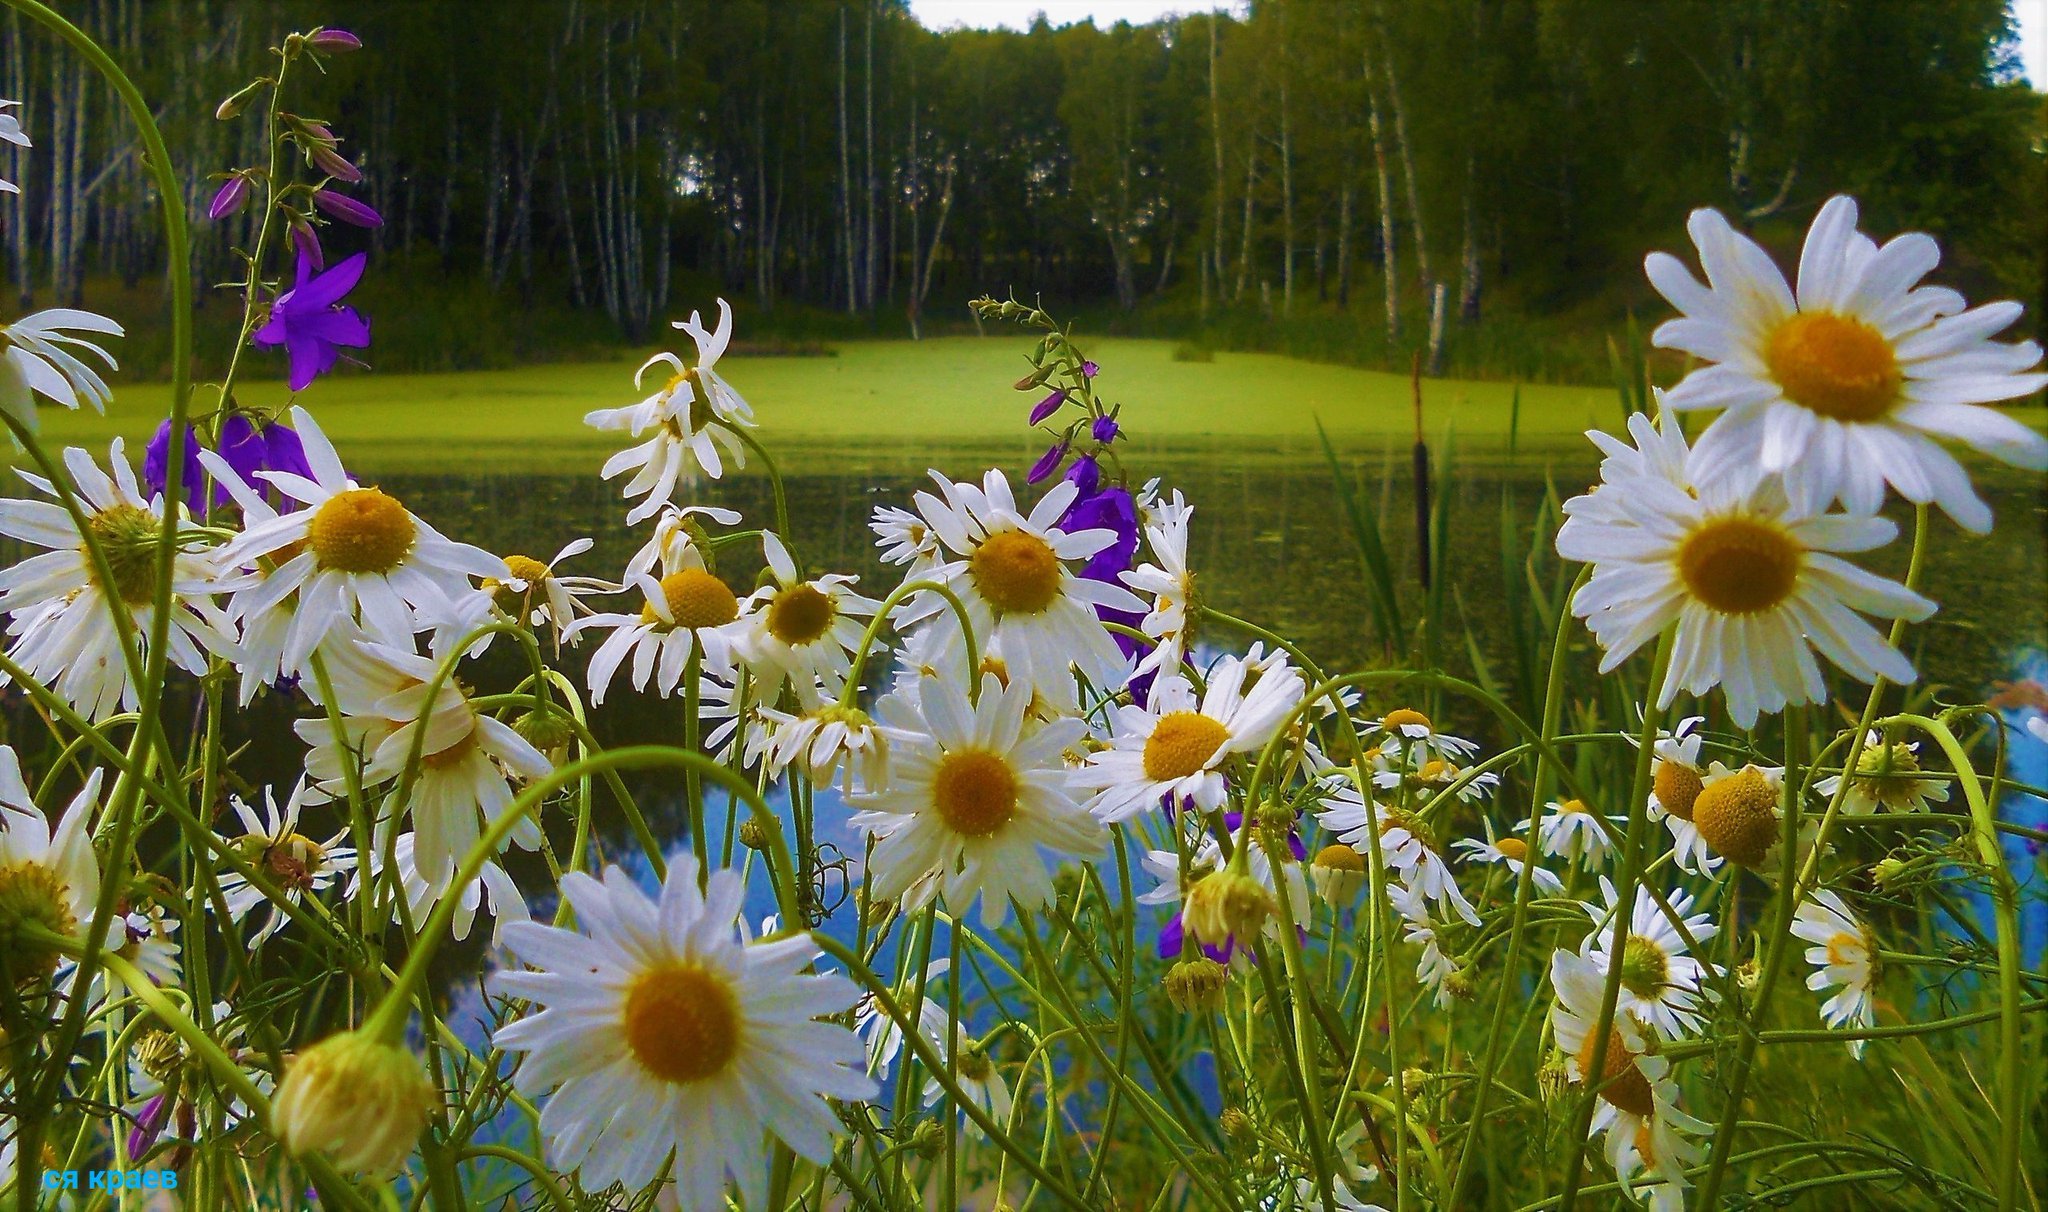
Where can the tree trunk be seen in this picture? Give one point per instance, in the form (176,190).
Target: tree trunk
(1469,283)
(1216,134)
(1407,154)
(1389,253)
(846,178)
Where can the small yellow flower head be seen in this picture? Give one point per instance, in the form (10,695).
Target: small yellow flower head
(1459,985)
(1415,1082)
(1236,1124)
(548,731)
(752,836)
(33,901)
(1195,986)
(927,1139)
(1738,816)
(361,1101)
(1226,904)
(1339,874)
(1887,870)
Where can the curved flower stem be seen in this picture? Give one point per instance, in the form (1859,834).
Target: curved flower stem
(775,481)
(543,1177)
(1304,1050)
(253,286)
(851,692)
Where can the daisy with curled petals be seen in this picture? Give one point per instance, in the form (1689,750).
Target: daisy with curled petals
(905,538)
(295,863)
(1406,731)
(11,132)
(1888,778)
(663,1035)
(879,1033)
(492,892)
(1170,583)
(51,878)
(674,544)
(832,740)
(1437,775)
(1435,969)
(538,596)
(801,633)
(1844,958)
(1173,750)
(1752,583)
(36,358)
(1662,985)
(352,554)
(1572,831)
(1637,1098)
(1844,386)
(973,793)
(975,1073)
(1011,571)
(696,417)
(1407,848)
(1675,781)
(1510,852)
(63,616)
(688,612)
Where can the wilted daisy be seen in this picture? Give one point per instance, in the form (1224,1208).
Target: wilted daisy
(689,611)
(1511,852)
(1888,778)
(973,794)
(662,1035)
(1572,831)
(1750,581)
(538,596)
(1434,969)
(1662,985)
(1173,750)
(1844,958)
(296,864)
(47,879)
(800,633)
(696,417)
(1171,585)
(63,616)
(1844,387)
(1675,781)
(38,362)
(352,554)
(1010,570)
(1407,848)
(1406,731)
(878,1031)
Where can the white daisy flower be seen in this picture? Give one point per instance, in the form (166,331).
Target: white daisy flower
(1888,778)
(696,417)
(538,596)
(63,617)
(1662,985)
(295,863)
(352,554)
(979,1080)
(1171,585)
(662,1035)
(1751,582)
(1637,1097)
(801,633)
(469,766)
(827,741)
(1011,571)
(1435,969)
(1675,781)
(52,878)
(1406,847)
(1351,1173)
(879,1033)
(674,544)
(1174,749)
(1572,831)
(1844,958)
(1435,775)
(1407,732)
(1511,852)
(1844,387)
(1205,857)
(687,611)
(37,361)
(972,796)
(905,538)
(492,892)
(11,132)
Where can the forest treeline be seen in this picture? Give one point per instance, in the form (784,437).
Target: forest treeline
(1396,162)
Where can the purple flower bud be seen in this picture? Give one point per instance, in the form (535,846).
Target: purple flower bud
(1048,406)
(1089,370)
(306,242)
(149,1124)
(232,196)
(1086,475)
(1105,430)
(347,209)
(333,41)
(1048,463)
(336,167)
(156,465)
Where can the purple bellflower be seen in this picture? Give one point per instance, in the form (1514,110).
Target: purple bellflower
(311,321)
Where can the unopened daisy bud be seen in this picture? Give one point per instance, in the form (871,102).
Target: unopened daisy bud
(1235,1124)
(1339,874)
(1459,985)
(1554,1079)
(751,835)
(1226,904)
(1747,975)
(1415,1082)
(1195,986)
(549,731)
(233,106)
(361,1101)
(927,1139)
(1886,870)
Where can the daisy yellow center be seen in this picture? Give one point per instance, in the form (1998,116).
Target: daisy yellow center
(1890,774)
(31,895)
(452,756)
(1401,717)
(800,614)
(1513,848)
(682,1023)
(1645,969)
(127,535)
(975,792)
(1340,858)
(695,599)
(1017,572)
(361,530)
(1834,365)
(1677,786)
(1738,816)
(1181,744)
(974,1065)
(1436,770)
(1740,565)
(1621,1082)
(526,568)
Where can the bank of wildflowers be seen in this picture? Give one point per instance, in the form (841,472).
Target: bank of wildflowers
(1144,907)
